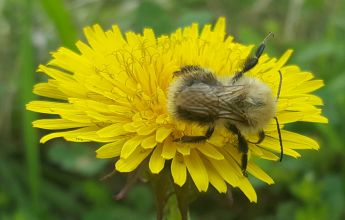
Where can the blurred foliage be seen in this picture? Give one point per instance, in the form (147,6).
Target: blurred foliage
(61,180)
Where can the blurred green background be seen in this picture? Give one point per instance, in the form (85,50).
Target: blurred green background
(60,180)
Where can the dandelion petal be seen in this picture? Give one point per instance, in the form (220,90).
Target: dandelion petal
(162,133)
(130,146)
(178,170)
(197,170)
(131,163)
(156,163)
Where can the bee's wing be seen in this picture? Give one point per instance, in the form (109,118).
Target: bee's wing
(230,99)
(204,103)
(199,100)
(198,103)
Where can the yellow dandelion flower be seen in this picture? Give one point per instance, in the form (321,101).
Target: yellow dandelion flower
(115,90)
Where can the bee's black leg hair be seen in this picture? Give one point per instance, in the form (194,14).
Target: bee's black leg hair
(252,60)
(242,146)
(195,139)
(261,136)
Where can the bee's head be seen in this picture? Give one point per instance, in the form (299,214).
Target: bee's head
(258,104)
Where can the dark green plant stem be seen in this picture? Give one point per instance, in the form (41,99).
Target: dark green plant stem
(182,195)
(162,189)
(26,81)
(172,201)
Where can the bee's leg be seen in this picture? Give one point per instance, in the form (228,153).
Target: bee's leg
(242,146)
(195,139)
(280,139)
(187,69)
(252,60)
(261,135)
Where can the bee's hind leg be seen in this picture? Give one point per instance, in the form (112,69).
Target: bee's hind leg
(195,139)
(242,146)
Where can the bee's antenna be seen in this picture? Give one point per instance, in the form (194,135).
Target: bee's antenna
(280,84)
(262,46)
(252,60)
(268,36)
(280,140)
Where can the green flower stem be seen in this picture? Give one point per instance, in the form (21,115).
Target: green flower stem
(172,201)
(161,184)
(182,195)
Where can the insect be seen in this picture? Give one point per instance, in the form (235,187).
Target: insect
(244,105)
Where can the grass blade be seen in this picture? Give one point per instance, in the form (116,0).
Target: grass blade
(26,81)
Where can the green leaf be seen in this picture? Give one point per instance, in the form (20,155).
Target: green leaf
(200,16)
(60,16)
(76,157)
(160,22)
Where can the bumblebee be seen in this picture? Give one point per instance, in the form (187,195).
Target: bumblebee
(244,105)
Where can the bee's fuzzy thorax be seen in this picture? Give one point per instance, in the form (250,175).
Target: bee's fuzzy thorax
(259,105)
(173,90)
